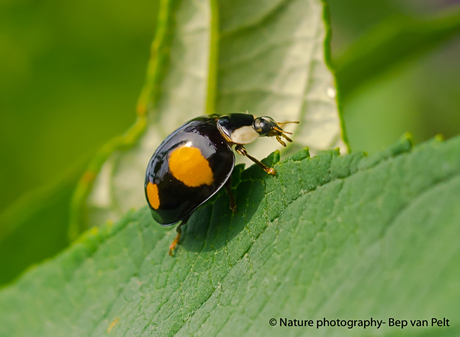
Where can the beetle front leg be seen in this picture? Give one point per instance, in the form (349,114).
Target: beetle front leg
(242,151)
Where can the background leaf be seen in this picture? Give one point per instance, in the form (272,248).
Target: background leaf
(224,57)
(418,90)
(405,37)
(345,237)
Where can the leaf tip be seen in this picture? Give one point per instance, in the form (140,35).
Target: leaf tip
(405,144)
(439,138)
(273,158)
(300,155)
(409,138)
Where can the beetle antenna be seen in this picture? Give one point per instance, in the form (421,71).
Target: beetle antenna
(290,122)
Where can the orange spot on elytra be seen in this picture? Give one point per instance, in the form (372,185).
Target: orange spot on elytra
(188,165)
(152,195)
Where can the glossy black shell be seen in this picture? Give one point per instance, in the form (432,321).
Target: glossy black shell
(177,200)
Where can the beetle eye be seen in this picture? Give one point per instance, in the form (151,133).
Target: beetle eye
(262,126)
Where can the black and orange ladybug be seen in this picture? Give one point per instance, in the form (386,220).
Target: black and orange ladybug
(195,161)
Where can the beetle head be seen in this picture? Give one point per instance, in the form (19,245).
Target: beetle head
(266,127)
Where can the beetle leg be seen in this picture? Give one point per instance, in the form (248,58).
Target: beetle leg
(175,243)
(228,186)
(242,151)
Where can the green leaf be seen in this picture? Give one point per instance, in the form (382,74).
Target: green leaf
(224,56)
(395,40)
(35,227)
(346,237)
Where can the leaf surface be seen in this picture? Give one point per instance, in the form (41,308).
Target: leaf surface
(35,227)
(349,237)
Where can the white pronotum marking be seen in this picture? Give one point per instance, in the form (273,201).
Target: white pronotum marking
(244,135)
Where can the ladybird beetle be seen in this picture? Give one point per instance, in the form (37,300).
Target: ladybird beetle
(195,161)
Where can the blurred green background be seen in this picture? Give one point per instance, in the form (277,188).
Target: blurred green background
(71,73)
(420,94)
